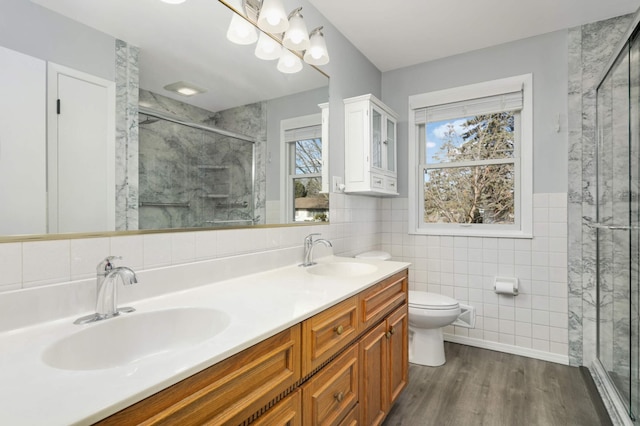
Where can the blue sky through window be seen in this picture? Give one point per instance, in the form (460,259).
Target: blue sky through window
(437,133)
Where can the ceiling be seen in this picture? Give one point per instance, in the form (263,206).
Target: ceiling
(397,34)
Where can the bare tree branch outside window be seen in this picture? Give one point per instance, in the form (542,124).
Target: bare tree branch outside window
(470,193)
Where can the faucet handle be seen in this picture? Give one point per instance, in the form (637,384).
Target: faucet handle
(107,264)
(310,236)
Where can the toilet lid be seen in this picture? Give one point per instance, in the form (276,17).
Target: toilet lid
(425,300)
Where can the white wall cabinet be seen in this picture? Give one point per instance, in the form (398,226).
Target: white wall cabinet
(370,147)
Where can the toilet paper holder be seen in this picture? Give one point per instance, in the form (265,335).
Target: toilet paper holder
(506,285)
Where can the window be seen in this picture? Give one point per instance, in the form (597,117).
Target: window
(304,199)
(471,168)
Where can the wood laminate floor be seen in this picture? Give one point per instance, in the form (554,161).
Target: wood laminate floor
(482,387)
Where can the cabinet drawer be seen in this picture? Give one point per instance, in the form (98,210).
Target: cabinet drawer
(326,333)
(382,298)
(226,393)
(287,412)
(333,392)
(352,418)
(377,181)
(391,184)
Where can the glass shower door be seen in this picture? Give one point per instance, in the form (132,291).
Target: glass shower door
(614,242)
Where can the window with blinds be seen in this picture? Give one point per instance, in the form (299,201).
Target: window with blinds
(470,144)
(303,146)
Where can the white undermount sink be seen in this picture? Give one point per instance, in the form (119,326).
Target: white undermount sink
(342,269)
(129,337)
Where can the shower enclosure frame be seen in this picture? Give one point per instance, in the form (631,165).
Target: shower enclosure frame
(253,141)
(623,405)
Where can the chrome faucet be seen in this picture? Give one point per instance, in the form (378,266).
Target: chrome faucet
(309,244)
(107,290)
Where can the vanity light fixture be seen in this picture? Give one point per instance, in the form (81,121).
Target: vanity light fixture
(272,17)
(282,37)
(297,36)
(267,48)
(241,31)
(185,89)
(289,62)
(317,53)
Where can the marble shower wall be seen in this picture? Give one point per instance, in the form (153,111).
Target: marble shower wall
(207,176)
(590,49)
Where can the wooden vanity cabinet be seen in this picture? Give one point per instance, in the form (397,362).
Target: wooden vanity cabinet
(226,393)
(345,366)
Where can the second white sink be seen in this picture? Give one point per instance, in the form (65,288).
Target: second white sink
(127,338)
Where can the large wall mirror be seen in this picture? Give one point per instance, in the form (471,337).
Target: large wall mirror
(100,130)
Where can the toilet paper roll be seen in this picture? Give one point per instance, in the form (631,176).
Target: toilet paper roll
(506,285)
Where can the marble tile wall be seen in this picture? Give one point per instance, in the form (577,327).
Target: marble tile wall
(126,174)
(590,49)
(534,323)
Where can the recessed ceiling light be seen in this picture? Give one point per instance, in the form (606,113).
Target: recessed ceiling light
(173,1)
(185,89)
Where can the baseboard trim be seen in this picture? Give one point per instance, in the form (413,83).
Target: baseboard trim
(510,349)
(609,395)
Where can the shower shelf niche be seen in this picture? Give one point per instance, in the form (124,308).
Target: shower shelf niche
(215,180)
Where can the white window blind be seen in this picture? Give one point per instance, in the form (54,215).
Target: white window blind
(511,101)
(303,133)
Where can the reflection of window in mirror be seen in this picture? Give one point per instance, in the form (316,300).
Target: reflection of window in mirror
(302,147)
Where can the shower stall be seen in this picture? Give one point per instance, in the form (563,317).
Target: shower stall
(618,226)
(192,175)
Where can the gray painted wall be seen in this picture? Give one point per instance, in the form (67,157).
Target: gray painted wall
(544,56)
(351,74)
(39,32)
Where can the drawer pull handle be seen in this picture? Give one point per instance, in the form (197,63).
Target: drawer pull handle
(339,330)
(387,335)
(339,396)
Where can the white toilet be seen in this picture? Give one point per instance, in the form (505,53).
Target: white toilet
(428,314)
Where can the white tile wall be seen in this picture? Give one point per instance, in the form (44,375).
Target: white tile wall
(465,268)
(30,265)
(460,267)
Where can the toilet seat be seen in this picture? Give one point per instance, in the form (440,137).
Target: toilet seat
(434,301)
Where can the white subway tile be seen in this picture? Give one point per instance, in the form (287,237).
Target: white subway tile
(157,250)
(540,332)
(491,310)
(10,265)
(539,317)
(559,335)
(46,262)
(507,339)
(558,199)
(491,324)
(523,315)
(131,248)
(541,200)
(183,247)
(559,348)
(523,342)
(86,254)
(507,313)
(540,345)
(523,329)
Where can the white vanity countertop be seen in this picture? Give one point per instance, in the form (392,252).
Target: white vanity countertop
(259,306)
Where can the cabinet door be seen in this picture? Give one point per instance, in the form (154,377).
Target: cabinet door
(374,376)
(398,362)
(390,145)
(376,138)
